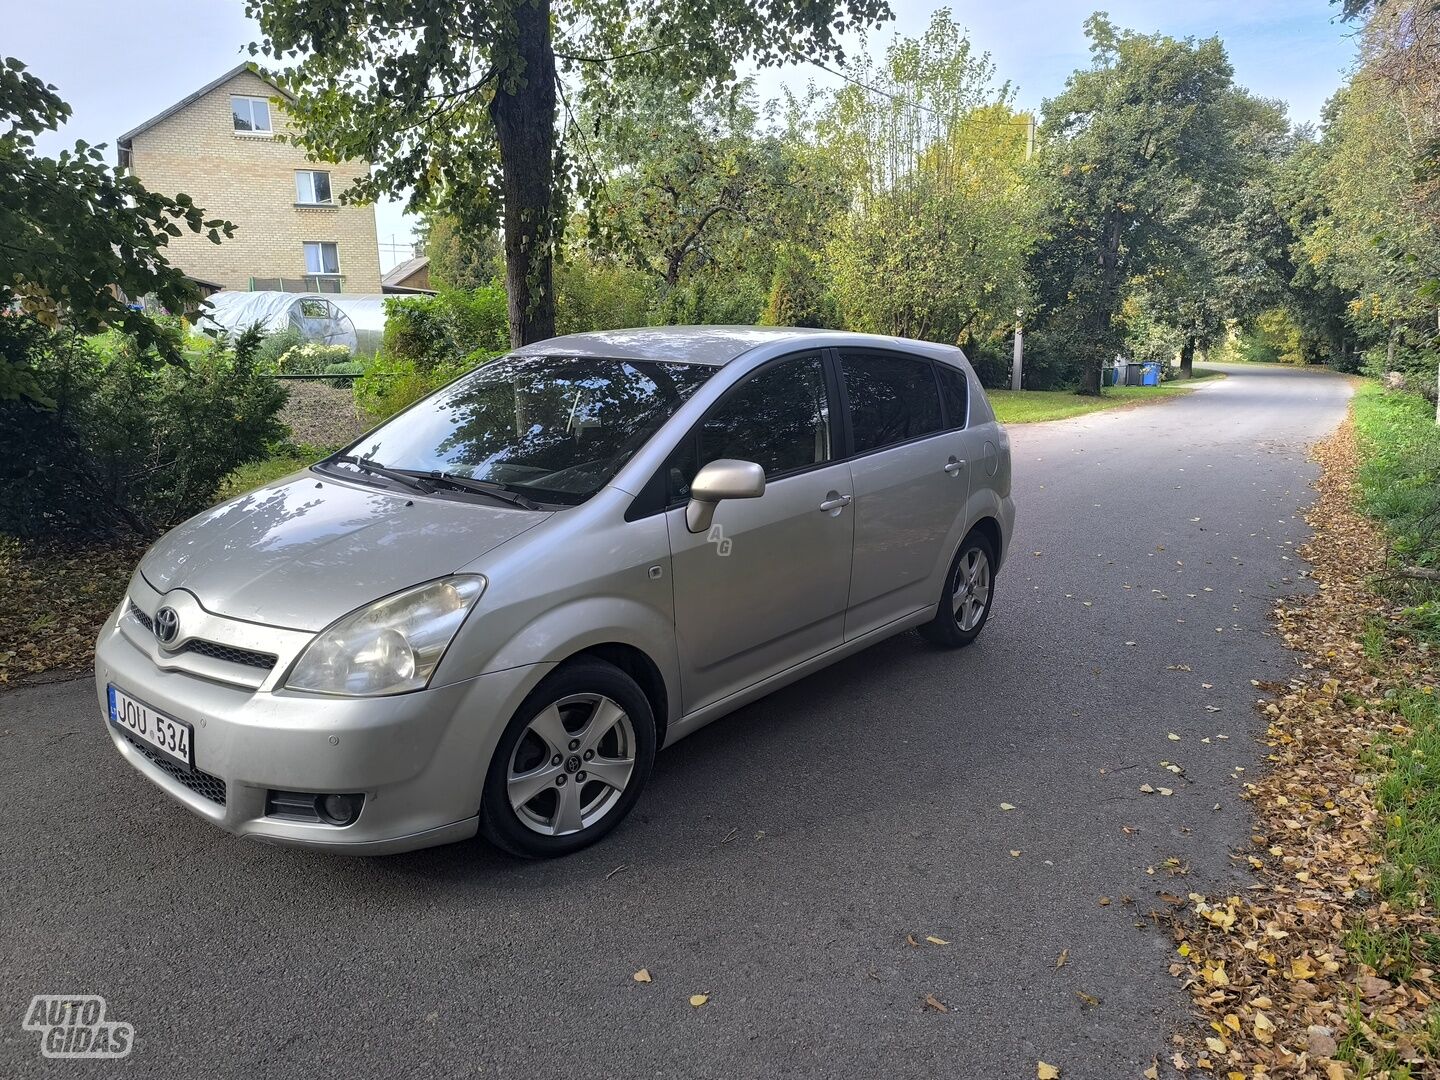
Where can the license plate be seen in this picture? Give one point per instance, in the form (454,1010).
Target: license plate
(173,738)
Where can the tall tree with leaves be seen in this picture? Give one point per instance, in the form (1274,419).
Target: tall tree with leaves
(1138,133)
(458,101)
(72,232)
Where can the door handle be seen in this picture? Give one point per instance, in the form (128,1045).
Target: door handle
(954,466)
(835,503)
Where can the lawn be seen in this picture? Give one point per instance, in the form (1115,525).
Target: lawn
(1030,406)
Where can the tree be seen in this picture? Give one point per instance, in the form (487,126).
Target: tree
(459,101)
(460,258)
(77,238)
(1137,134)
(933,155)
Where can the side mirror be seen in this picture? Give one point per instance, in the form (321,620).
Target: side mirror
(724,478)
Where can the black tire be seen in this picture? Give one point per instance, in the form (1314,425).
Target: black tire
(504,824)
(949,628)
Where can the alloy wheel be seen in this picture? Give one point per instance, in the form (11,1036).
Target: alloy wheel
(571,765)
(972,589)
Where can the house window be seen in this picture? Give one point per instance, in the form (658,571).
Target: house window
(322,266)
(250,113)
(312,188)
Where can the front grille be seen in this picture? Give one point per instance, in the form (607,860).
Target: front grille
(232,654)
(213,649)
(202,783)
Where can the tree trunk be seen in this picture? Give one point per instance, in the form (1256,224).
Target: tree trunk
(523,111)
(1187,358)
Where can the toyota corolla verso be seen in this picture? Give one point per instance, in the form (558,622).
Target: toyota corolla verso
(489,612)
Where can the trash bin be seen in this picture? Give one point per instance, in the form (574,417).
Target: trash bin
(1151,375)
(1109,375)
(1134,374)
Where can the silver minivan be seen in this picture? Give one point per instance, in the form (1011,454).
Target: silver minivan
(489,613)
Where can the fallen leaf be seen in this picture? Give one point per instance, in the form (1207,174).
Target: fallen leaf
(1153,1072)
(643,975)
(932,1002)
(1006,806)
(1087,998)
(1173,737)
(933,940)
(1046,1072)
(910,940)
(1104,901)
(1060,960)
(1015,854)
(696,1000)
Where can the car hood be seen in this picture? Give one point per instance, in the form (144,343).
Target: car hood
(305,551)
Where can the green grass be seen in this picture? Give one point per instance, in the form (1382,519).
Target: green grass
(1409,797)
(257,474)
(1032,406)
(1399,486)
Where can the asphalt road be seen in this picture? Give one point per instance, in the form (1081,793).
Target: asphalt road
(779,858)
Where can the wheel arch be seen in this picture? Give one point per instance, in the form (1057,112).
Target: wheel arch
(990,529)
(636,663)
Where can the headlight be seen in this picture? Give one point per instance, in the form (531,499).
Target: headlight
(391,646)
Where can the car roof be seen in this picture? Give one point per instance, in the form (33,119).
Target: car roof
(716,345)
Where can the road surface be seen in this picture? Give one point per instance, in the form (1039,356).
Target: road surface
(780,858)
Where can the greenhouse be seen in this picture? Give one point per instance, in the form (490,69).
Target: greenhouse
(354,321)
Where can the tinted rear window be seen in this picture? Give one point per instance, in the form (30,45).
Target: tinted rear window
(892,398)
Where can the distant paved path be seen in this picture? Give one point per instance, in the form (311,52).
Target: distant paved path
(864,805)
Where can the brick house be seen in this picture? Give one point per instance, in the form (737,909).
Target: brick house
(223,147)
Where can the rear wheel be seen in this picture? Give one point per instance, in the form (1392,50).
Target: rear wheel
(965,601)
(571,763)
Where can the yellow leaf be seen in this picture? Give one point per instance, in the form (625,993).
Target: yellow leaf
(696,1000)
(1173,737)
(1216,1046)
(1046,1072)
(933,940)
(1006,806)
(1264,1029)
(1232,1021)
(1015,854)
(643,975)
(1153,1072)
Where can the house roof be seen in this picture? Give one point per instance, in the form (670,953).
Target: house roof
(123,143)
(405,270)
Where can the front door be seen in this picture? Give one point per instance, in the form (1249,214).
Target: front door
(765,588)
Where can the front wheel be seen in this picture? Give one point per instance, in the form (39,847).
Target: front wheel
(571,763)
(965,601)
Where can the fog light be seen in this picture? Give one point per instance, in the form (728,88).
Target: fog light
(340,809)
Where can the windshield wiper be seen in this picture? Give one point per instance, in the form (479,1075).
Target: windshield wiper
(482,487)
(367,466)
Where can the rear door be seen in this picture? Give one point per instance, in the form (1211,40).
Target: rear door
(911,475)
(766,587)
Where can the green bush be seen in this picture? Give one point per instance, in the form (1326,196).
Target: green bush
(595,295)
(437,330)
(124,443)
(273,346)
(312,358)
(389,385)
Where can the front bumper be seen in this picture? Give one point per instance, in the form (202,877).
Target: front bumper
(419,759)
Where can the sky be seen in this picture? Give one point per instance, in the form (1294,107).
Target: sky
(119,62)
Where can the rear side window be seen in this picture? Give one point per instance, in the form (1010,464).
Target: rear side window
(892,398)
(779,418)
(955,389)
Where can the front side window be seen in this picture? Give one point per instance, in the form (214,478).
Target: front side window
(555,428)
(778,418)
(312,187)
(322,258)
(250,113)
(892,398)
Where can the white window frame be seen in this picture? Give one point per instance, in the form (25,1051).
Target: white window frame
(300,188)
(251,101)
(320,246)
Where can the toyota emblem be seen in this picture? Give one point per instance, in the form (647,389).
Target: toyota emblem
(167,625)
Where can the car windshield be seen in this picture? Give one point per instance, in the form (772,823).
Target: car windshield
(555,428)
